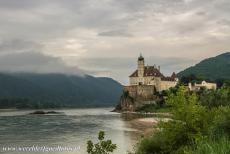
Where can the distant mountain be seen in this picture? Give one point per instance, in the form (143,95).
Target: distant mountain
(57,90)
(212,68)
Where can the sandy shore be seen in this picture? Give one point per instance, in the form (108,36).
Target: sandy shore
(152,120)
(148,113)
(146,126)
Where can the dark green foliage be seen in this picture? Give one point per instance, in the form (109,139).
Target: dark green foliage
(212,68)
(222,82)
(215,98)
(191,78)
(154,144)
(195,127)
(126,95)
(102,147)
(221,122)
(50,90)
(160,106)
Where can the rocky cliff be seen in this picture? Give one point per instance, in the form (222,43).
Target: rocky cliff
(129,103)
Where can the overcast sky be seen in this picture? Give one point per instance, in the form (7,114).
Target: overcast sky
(105,37)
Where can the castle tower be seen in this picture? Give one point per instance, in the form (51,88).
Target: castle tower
(141,66)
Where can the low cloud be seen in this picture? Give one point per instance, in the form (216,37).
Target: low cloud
(18,45)
(36,63)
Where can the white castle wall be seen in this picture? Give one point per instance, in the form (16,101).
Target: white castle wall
(165,85)
(155,81)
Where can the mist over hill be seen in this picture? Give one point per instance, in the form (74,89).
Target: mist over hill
(30,90)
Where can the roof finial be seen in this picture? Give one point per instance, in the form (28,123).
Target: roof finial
(141,57)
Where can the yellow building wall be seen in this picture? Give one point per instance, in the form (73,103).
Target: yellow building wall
(155,81)
(165,85)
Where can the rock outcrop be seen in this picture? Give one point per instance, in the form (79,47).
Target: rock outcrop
(129,103)
(48,112)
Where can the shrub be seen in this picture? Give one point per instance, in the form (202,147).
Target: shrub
(190,122)
(215,98)
(102,147)
(200,125)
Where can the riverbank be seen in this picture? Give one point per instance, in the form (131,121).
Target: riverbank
(148,113)
(146,125)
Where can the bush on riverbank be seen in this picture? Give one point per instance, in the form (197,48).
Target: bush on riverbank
(154,108)
(196,126)
(102,147)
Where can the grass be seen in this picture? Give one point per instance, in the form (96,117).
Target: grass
(220,146)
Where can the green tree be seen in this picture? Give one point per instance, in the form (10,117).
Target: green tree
(102,147)
(215,98)
(200,123)
(190,122)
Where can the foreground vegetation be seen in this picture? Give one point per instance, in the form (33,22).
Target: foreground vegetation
(200,124)
(102,147)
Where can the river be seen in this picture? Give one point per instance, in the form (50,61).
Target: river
(72,129)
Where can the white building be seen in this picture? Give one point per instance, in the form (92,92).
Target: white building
(151,75)
(203,84)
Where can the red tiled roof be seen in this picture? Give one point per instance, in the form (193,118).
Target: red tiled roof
(149,71)
(152,71)
(168,79)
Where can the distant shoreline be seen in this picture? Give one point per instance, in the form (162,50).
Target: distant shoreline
(18,109)
(143,114)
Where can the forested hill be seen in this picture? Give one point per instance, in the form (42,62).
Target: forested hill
(51,90)
(212,68)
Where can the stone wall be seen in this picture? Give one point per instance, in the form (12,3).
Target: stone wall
(165,85)
(141,92)
(153,81)
(135,97)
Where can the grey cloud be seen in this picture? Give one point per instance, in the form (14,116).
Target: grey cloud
(193,29)
(41,16)
(35,62)
(116,33)
(22,4)
(201,13)
(224,22)
(69,14)
(18,45)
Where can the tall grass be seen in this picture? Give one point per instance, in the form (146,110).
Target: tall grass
(220,146)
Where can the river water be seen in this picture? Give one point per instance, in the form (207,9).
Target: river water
(20,130)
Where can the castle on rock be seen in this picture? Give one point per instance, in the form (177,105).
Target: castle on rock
(145,81)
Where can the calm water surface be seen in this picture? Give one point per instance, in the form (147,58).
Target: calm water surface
(71,129)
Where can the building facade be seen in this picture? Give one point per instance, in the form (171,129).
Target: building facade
(147,80)
(203,84)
